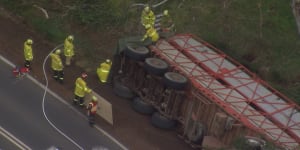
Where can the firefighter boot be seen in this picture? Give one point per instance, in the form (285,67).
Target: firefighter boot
(75,100)
(91,120)
(27,64)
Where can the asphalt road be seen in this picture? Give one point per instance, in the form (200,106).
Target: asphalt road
(21,115)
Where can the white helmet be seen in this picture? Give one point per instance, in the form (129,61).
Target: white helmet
(107,61)
(58,51)
(147,9)
(70,37)
(29,41)
(166,12)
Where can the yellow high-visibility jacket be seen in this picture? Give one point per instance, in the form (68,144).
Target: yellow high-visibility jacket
(151,33)
(81,87)
(68,48)
(28,52)
(147,18)
(103,71)
(56,63)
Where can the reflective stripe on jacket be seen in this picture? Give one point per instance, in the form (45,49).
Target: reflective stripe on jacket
(56,63)
(147,18)
(152,33)
(28,52)
(105,66)
(68,48)
(81,88)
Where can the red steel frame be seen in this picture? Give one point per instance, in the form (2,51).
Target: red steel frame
(255,111)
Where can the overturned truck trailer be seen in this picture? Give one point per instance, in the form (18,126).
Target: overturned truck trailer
(187,84)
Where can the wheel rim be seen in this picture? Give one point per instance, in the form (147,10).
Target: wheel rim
(138,49)
(156,63)
(176,77)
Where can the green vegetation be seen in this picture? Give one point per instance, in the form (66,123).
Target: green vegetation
(262,35)
(99,13)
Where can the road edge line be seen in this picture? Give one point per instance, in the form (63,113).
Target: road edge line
(14,139)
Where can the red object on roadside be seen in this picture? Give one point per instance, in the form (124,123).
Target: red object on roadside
(24,70)
(20,71)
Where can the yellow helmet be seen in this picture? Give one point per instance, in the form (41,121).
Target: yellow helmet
(58,51)
(166,12)
(70,37)
(94,99)
(147,9)
(29,41)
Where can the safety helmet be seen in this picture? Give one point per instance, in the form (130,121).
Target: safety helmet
(84,75)
(94,99)
(166,12)
(29,41)
(70,37)
(58,51)
(107,61)
(147,9)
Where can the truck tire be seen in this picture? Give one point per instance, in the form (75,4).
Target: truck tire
(166,35)
(121,90)
(136,52)
(175,80)
(156,66)
(142,107)
(197,136)
(162,122)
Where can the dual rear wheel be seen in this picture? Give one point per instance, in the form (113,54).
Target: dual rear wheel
(157,67)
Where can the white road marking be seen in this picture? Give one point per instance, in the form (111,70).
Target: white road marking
(13,139)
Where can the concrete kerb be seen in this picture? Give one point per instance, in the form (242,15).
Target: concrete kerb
(64,102)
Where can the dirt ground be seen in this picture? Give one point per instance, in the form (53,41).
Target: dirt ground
(130,128)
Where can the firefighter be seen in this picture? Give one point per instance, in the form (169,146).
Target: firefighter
(147,17)
(103,70)
(166,22)
(151,33)
(57,66)
(69,49)
(92,110)
(80,90)
(28,53)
